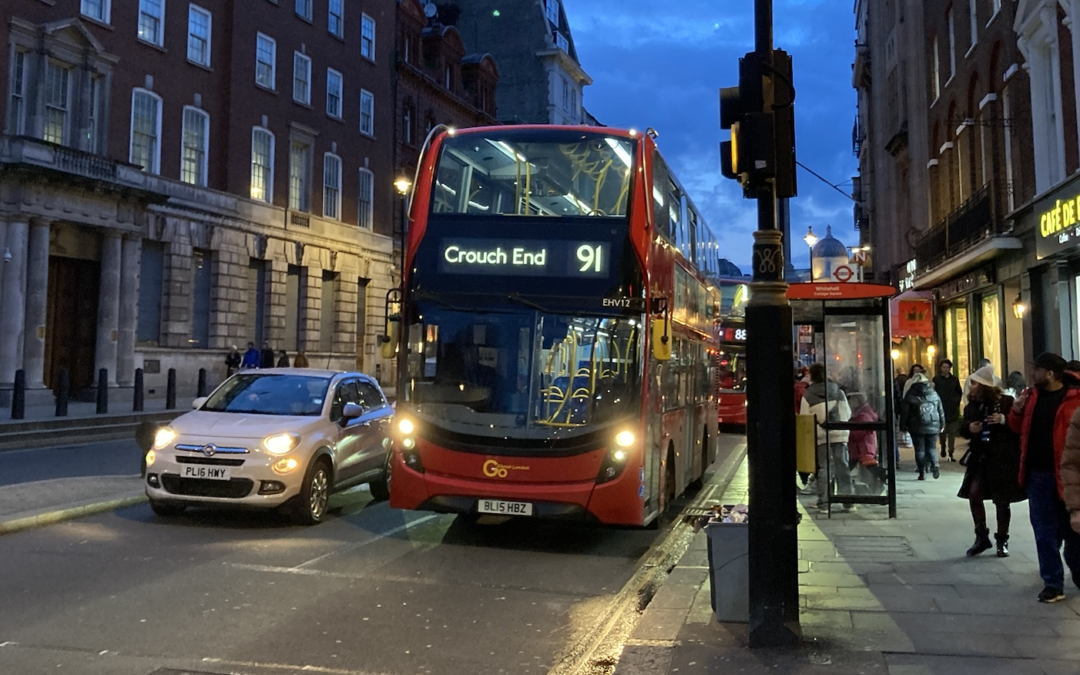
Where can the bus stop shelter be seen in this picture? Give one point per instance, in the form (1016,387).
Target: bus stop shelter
(845,327)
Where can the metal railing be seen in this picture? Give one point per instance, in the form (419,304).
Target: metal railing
(959,231)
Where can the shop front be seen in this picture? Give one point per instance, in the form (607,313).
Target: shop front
(1054,278)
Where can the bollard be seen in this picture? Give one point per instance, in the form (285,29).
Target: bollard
(202,383)
(63,387)
(170,390)
(18,396)
(137,396)
(102,391)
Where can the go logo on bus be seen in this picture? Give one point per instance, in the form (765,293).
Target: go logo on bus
(492,469)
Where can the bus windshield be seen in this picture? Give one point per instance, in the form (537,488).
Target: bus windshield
(528,172)
(526,373)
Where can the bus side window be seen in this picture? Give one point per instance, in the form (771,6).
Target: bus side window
(660,196)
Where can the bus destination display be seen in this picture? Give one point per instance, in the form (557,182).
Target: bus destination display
(510,257)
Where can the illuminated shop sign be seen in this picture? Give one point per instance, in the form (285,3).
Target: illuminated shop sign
(1058,225)
(510,257)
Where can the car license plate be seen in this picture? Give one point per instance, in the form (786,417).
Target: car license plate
(208,472)
(504,508)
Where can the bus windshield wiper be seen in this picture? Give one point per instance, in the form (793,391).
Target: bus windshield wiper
(431,297)
(516,297)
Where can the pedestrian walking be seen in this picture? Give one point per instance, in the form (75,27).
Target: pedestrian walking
(251,357)
(232,361)
(283,359)
(967,383)
(267,358)
(863,446)
(1042,416)
(992,461)
(827,403)
(301,360)
(1014,383)
(951,393)
(915,369)
(922,416)
(1070,474)
(898,395)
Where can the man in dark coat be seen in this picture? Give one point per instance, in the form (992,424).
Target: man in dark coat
(951,393)
(267,357)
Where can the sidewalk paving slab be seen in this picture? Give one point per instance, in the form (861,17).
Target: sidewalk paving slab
(877,596)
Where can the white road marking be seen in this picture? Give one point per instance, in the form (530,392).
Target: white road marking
(377,537)
(292,667)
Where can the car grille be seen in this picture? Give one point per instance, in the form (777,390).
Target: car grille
(234,488)
(217,450)
(210,461)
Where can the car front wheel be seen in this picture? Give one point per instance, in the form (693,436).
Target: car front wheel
(314,494)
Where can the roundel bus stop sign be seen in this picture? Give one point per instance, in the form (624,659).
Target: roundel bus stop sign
(843,273)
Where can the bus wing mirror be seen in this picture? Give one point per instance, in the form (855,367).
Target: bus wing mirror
(661,339)
(390,340)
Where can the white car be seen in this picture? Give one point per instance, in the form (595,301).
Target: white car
(271,438)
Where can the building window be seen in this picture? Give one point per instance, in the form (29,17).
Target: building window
(551,10)
(200,310)
(405,49)
(265,58)
(256,306)
(326,316)
(336,21)
(565,94)
(17,112)
(366,197)
(151,270)
(96,9)
(301,88)
(299,172)
(151,14)
(57,83)
(262,165)
(367,112)
(573,103)
(196,133)
(448,79)
(92,114)
(303,9)
(145,130)
(935,74)
(406,125)
(367,37)
(198,41)
(952,43)
(333,93)
(332,186)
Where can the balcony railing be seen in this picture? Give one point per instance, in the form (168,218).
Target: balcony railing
(83,163)
(33,152)
(959,231)
(299,219)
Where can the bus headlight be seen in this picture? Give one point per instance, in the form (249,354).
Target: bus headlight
(406,426)
(624,439)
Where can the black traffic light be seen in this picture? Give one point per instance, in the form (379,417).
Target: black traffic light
(760,114)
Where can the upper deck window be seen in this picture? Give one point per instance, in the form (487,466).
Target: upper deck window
(535,172)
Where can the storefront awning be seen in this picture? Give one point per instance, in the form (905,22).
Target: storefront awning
(975,255)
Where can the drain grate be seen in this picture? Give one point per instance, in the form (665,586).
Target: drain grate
(883,547)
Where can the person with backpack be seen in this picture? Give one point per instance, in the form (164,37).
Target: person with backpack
(923,416)
(951,392)
(992,461)
(828,403)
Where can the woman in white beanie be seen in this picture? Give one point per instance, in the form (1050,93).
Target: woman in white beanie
(993,460)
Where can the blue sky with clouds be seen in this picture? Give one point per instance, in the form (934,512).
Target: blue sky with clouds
(663,68)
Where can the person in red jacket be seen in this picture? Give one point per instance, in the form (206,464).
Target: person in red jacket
(1041,416)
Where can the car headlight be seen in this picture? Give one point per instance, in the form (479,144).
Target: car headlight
(151,457)
(279,444)
(405,426)
(163,437)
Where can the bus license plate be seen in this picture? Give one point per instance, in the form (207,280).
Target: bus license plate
(505,508)
(210,472)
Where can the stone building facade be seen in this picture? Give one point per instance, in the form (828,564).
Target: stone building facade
(177,178)
(541,80)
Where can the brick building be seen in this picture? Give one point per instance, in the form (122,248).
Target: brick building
(177,178)
(947,165)
(438,82)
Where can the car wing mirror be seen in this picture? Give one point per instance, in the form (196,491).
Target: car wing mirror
(198,403)
(351,411)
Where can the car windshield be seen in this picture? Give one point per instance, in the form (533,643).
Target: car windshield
(524,373)
(270,394)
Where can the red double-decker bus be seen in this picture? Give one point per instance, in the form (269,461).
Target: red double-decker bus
(731,358)
(555,335)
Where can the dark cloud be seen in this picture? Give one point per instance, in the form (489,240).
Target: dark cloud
(663,69)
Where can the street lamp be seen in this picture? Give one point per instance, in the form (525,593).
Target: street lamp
(810,240)
(1019,308)
(402,184)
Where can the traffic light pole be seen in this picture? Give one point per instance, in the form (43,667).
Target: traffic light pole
(770,430)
